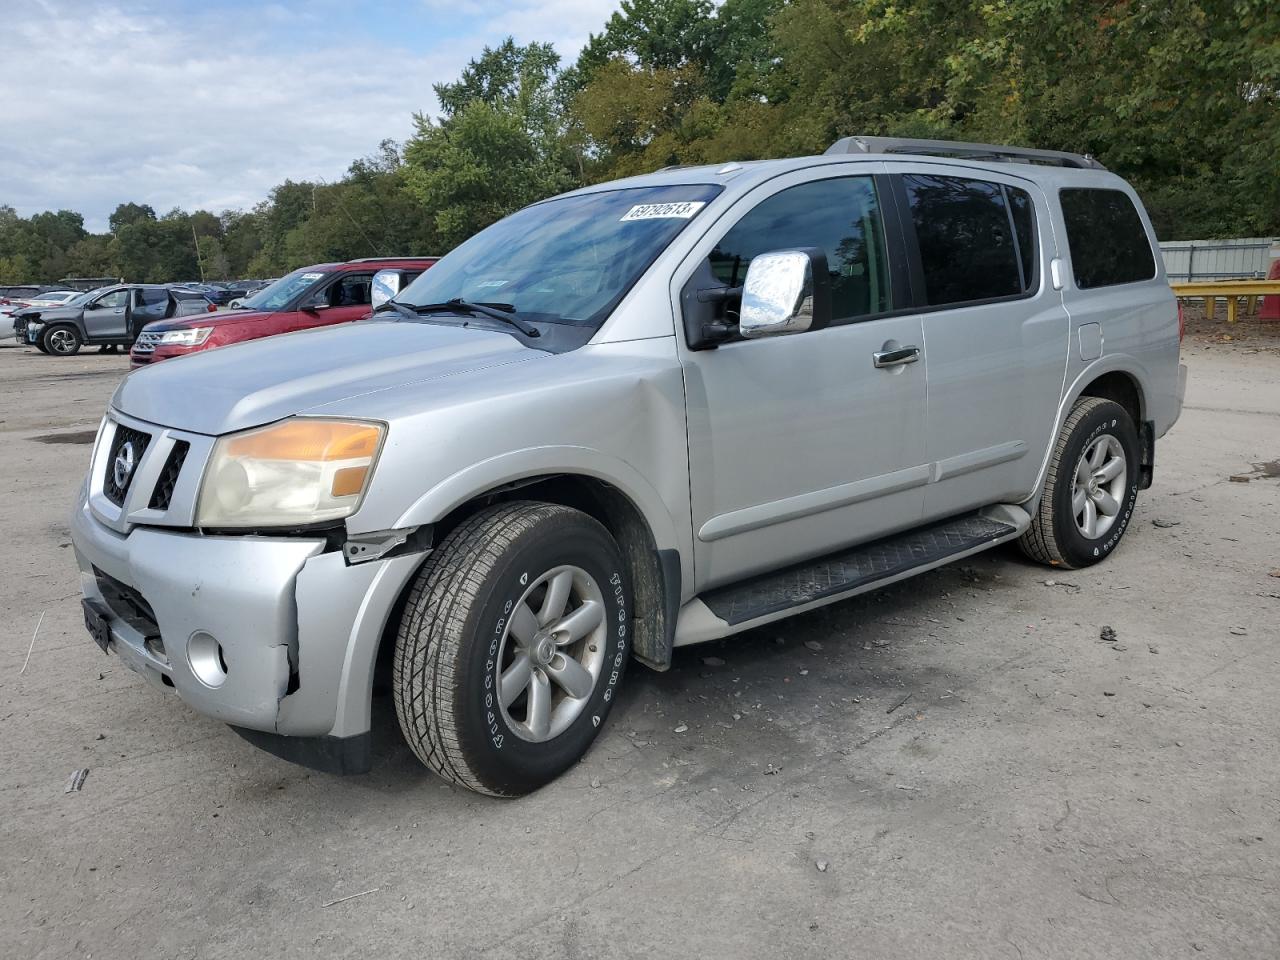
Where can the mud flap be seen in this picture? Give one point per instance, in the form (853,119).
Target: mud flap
(1147,448)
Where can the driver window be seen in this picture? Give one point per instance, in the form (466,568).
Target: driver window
(117,298)
(352,291)
(840,216)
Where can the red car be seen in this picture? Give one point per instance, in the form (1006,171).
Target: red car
(317,296)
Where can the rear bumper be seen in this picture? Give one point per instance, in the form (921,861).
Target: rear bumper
(298,629)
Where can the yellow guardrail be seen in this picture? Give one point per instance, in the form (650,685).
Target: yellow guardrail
(1231,290)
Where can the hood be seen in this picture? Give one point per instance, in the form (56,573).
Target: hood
(261,381)
(218,318)
(49,313)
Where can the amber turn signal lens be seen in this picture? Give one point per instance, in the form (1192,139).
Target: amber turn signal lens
(309,440)
(349,481)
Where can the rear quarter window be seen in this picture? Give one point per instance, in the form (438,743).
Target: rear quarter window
(1105,235)
(976,238)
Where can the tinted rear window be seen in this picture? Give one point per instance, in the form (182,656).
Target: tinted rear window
(1104,232)
(977,239)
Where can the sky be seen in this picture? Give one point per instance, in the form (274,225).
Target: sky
(207,105)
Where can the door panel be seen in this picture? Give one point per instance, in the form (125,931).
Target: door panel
(799,444)
(110,318)
(349,298)
(996,366)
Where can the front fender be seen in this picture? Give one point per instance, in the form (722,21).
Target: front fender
(453,491)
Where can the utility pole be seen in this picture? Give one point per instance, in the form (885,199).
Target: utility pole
(197,240)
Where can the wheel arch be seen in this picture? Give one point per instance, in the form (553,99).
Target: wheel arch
(1122,387)
(1117,377)
(611,492)
(654,572)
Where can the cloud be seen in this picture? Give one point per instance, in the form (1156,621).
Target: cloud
(209,107)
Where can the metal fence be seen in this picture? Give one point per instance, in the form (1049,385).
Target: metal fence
(1246,259)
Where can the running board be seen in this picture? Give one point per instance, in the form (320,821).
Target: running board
(814,583)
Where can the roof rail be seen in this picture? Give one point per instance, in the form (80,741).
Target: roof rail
(971,151)
(374,259)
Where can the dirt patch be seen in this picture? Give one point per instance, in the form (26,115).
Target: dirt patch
(1246,331)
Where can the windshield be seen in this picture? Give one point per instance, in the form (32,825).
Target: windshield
(275,296)
(81,299)
(564,261)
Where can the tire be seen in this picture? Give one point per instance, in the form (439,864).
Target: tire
(1059,532)
(458,638)
(60,341)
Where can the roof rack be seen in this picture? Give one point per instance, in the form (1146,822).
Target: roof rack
(971,151)
(374,259)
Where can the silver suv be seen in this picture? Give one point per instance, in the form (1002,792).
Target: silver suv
(644,414)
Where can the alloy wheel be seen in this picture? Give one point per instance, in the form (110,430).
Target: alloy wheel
(1098,487)
(552,653)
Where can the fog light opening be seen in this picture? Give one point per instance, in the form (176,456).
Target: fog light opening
(207,660)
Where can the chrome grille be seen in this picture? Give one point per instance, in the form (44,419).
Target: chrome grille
(115,491)
(146,342)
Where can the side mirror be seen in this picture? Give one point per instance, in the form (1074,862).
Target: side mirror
(314,304)
(386,284)
(786,291)
(94,305)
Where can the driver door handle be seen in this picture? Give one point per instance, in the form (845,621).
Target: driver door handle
(894,358)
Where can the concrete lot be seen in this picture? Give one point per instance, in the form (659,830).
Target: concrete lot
(979,774)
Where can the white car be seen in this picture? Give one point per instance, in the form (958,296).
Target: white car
(52,298)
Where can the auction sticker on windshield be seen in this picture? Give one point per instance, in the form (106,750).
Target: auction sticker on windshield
(663,211)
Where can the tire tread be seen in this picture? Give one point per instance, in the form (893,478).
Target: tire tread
(433,629)
(1040,542)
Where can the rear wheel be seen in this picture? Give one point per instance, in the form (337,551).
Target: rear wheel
(1090,489)
(511,647)
(61,341)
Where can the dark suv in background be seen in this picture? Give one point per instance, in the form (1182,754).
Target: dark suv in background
(109,317)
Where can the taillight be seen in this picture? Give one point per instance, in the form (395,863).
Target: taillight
(213,308)
(1182,323)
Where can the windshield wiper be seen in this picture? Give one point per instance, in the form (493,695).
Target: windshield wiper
(496,311)
(399,308)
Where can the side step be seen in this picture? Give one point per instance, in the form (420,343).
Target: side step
(855,570)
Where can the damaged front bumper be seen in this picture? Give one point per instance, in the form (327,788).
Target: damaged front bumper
(276,636)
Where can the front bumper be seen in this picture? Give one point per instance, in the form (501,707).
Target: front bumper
(148,354)
(298,628)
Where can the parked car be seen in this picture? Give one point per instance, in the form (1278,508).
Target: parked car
(641,415)
(107,317)
(219,293)
(253,287)
(52,298)
(316,296)
(19,294)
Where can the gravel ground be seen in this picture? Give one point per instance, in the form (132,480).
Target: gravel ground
(957,766)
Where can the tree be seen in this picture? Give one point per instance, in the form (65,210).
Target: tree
(498,146)
(127,213)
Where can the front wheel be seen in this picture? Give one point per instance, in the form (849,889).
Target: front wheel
(1090,489)
(61,341)
(511,647)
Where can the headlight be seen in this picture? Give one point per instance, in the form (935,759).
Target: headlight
(191,337)
(293,473)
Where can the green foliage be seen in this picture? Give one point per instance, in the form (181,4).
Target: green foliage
(498,146)
(1181,97)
